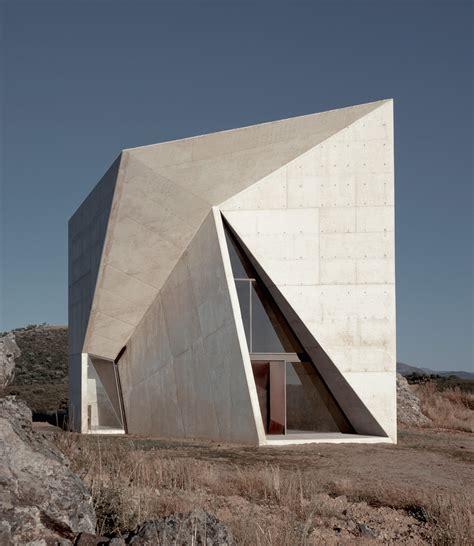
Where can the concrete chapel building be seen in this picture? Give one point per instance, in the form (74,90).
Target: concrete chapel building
(240,286)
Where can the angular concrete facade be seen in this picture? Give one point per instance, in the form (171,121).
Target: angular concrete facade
(307,206)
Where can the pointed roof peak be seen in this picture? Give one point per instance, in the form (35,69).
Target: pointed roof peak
(366,107)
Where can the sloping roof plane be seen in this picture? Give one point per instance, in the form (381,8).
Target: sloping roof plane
(162,194)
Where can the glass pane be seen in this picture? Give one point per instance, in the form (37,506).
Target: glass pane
(266,329)
(309,405)
(269,331)
(102,406)
(237,265)
(243,293)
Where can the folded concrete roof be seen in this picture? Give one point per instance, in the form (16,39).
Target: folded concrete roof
(160,196)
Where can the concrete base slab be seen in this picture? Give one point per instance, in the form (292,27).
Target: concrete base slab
(106,430)
(299,437)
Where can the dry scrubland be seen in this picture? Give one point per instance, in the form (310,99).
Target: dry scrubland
(41,369)
(450,409)
(418,492)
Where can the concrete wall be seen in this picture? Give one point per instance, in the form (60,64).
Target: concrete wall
(151,224)
(87,231)
(186,369)
(322,230)
(163,194)
(312,200)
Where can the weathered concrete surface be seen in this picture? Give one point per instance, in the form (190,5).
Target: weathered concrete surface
(41,500)
(9,350)
(322,230)
(161,195)
(87,233)
(184,365)
(312,199)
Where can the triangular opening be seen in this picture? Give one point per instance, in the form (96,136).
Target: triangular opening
(266,329)
(293,397)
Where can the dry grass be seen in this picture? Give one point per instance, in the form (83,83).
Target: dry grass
(262,504)
(448,409)
(450,515)
(131,486)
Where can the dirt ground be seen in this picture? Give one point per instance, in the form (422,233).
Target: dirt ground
(432,459)
(417,492)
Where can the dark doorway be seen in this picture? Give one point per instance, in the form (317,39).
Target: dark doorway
(270,382)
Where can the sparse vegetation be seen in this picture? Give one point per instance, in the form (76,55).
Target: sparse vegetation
(41,370)
(303,495)
(442,382)
(42,398)
(268,498)
(449,408)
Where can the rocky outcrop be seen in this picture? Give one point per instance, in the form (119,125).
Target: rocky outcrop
(197,527)
(8,352)
(41,370)
(408,406)
(41,500)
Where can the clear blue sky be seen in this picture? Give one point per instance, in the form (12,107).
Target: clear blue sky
(81,80)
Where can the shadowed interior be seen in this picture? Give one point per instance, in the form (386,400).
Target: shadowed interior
(305,404)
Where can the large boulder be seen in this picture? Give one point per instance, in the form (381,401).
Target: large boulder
(41,500)
(197,527)
(8,352)
(408,406)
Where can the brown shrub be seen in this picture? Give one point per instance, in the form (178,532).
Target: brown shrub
(448,409)
(450,515)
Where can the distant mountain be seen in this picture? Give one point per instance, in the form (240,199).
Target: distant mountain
(406,369)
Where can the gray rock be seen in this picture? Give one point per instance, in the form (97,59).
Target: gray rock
(196,527)
(408,405)
(88,539)
(41,500)
(8,352)
(366,531)
(117,542)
